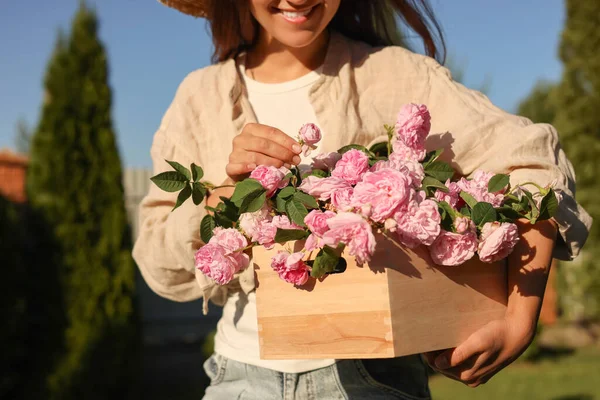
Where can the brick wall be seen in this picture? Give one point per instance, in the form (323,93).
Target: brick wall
(12,176)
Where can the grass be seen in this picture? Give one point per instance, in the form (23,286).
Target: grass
(555,375)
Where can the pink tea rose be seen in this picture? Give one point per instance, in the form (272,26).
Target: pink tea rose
(283,222)
(353,231)
(212,261)
(384,191)
(381,164)
(316,221)
(413,170)
(413,124)
(452,197)
(264,234)
(351,167)
(497,241)
(453,249)
(342,199)
(310,135)
(400,151)
(418,224)
(233,242)
(326,161)
(249,222)
(230,239)
(463,224)
(322,188)
(478,188)
(290,267)
(270,178)
(313,242)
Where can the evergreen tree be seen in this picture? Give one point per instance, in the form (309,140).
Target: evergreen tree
(74,184)
(539,105)
(572,107)
(577,100)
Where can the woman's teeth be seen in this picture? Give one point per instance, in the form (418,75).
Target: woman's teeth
(295,14)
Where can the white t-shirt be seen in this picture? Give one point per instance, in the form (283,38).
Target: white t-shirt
(284,106)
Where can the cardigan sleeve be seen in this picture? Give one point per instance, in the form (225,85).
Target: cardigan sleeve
(482,136)
(164,250)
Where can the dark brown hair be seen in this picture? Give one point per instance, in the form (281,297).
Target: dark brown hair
(372,21)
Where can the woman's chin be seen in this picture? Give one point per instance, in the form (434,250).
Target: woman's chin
(297,40)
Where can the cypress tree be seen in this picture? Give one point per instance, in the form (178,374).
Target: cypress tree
(572,107)
(577,100)
(74,183)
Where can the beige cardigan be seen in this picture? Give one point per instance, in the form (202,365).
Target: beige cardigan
(361,89)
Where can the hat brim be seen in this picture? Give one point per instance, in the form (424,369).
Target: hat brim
(196,8)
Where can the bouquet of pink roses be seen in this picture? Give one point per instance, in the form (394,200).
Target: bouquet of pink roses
(394,188)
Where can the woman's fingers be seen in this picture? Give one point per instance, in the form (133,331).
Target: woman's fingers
(273,134)
(271,148)
(238,170)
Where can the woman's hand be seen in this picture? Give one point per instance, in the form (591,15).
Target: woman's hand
(485,352)
(261,145)
(499,343)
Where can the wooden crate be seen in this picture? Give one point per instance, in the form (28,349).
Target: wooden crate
(400,304)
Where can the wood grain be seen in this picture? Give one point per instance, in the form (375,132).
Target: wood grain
(398,305)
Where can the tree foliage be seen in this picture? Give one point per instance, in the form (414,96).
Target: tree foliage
(572,107)
(74,184)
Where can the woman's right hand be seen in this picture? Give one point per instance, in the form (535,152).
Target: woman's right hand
(261,145)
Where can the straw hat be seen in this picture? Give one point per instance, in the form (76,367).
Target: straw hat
(196,8)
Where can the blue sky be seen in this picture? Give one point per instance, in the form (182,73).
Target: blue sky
(511,44)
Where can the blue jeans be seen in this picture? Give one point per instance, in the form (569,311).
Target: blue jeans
(402,378)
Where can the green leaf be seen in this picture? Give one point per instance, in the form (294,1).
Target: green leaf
(470,200)
(183,196)
(280,204)
(534,211)
(171,181)
(254,201)
(207,226)
(482,213)
(432,156)
(439,170)
(287,235)
(434,183)
(325,262)
(229,209)
(345,149)
(198,192)
(379,149)
(498,182)
(548,206)
(306,199)
(211,209)
(448,215)
(466,211)
(316,172)
(296,211)
(286,192)
(509,213)
(222,220)
(180,168)
(243,189)
(197,172)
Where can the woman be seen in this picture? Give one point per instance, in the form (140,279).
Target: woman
(282,63)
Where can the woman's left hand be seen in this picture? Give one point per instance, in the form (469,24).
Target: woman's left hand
(485,352)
